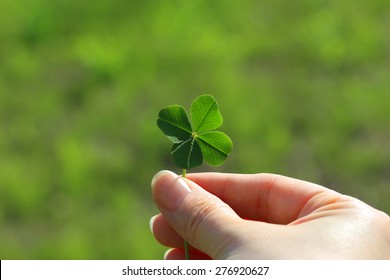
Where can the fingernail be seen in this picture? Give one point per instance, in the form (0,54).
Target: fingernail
(151,222)
(169,189)
(166,254)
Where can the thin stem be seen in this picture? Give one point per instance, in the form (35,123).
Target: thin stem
(186,249)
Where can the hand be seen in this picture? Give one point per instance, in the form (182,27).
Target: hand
(264,216)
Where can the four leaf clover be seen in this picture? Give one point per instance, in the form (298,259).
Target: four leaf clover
(197,140)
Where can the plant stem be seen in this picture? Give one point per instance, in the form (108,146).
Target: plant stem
(186,249)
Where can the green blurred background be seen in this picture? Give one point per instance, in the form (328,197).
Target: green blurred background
(303,87)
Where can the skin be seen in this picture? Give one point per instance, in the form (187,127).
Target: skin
(264,216)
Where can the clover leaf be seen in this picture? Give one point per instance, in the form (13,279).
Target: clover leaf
(198,140)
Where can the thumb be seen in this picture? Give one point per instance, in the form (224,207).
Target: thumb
(202,219)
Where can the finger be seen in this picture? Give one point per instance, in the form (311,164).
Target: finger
(202,219)
(265,197)
(178,254)
(164,233)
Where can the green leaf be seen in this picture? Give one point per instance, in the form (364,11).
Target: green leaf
(205,115)
(200,141)
(187,154)
(173,121)
(215,147)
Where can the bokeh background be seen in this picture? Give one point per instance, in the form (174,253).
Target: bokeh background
(303,87)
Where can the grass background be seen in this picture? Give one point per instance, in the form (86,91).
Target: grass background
(303,87)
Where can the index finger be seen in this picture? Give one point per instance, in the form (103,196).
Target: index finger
(266,197)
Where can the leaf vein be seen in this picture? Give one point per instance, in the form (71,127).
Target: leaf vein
(175,125)
(205,116)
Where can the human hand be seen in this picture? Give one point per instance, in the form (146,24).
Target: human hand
(264,216)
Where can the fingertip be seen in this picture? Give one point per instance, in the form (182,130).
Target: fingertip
(169,254)
(160,174)
(169,190)
(151,222)
(164,233)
